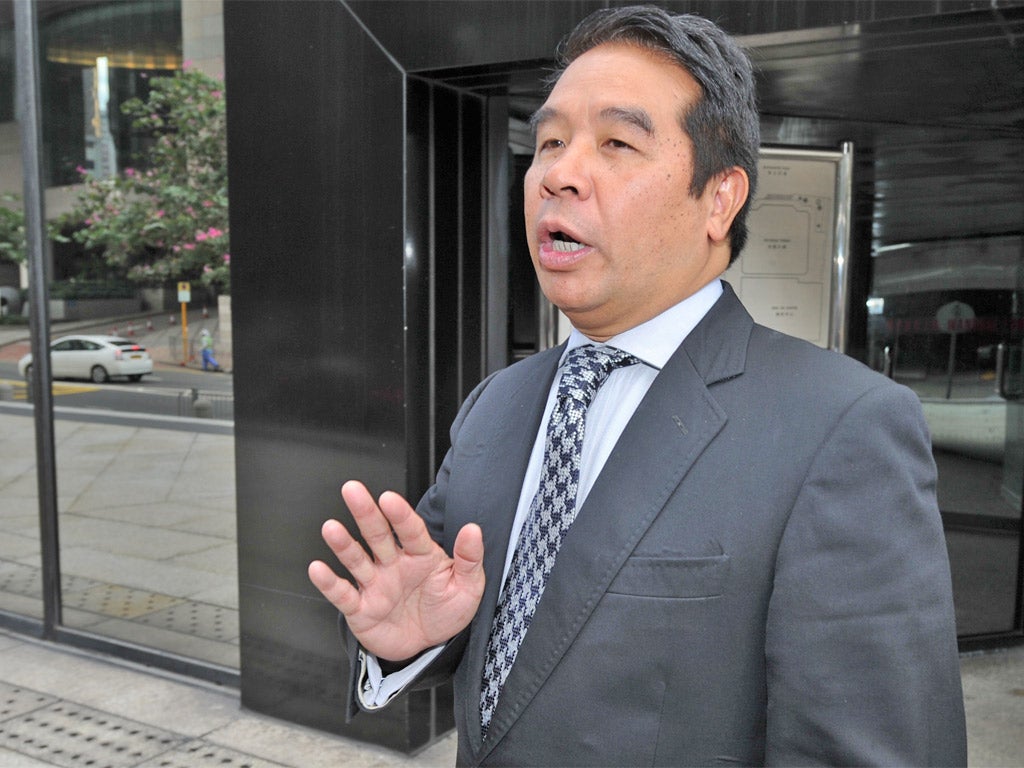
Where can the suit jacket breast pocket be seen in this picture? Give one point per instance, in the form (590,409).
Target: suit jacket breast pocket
(678,577)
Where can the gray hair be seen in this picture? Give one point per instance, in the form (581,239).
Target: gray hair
(723,124)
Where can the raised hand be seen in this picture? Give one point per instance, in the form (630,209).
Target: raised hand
(410,595)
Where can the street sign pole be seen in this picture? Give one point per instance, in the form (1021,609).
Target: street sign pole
(184,296)
(953,318)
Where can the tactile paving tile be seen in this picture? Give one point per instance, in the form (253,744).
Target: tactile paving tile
(213,622)
(16,701)
(119,602)
(73,736)
(197,754)
(27,580)
(18,579)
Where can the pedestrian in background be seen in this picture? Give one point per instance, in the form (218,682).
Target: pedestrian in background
(206,344)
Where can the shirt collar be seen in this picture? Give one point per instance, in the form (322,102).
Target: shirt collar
(654,341)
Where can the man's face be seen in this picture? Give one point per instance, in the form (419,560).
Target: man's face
(614,234)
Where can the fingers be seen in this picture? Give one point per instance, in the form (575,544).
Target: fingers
(340,592)
(348,551)
(408,526)
(374,527)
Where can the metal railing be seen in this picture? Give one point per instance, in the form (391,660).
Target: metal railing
(206,405)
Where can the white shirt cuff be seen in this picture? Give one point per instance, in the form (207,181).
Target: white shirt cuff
(376,690)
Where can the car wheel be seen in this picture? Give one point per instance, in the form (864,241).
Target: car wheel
(99,374)
(135,377)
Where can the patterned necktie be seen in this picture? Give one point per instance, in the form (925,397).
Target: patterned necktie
(551,513)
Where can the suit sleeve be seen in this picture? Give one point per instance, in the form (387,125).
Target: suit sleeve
(861,641)
(432,509)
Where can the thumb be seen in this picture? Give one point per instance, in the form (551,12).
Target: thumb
(468,552)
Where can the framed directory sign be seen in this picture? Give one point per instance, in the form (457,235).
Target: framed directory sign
(792,275)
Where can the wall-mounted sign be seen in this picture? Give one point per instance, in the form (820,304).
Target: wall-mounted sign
(792,274)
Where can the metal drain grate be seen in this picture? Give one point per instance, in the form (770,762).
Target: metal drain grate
(213,622)
(15,701)
(75,737)
(197,754)
(119,602)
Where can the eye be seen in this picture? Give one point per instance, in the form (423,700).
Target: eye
(547,144)
(618,144)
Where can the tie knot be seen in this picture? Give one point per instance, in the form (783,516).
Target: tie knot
(586,369)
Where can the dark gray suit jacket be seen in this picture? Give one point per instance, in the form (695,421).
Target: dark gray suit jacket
(758,576)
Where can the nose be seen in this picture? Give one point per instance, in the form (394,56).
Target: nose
(568,173)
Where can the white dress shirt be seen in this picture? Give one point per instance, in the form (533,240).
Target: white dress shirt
(653,343)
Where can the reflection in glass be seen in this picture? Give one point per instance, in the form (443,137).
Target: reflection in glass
(147,526)
(21,580)
(145,503)
(946,322)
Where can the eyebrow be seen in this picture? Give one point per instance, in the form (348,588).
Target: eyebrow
(634,116)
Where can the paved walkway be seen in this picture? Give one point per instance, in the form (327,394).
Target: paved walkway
(62,707)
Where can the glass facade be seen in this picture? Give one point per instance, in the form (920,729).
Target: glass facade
(147,553)
(946,321)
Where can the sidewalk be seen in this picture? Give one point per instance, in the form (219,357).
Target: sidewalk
(63,707)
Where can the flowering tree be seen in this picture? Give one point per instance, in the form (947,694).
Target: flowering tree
(12,228)
(168,222)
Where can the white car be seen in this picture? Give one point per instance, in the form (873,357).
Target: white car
(97,358)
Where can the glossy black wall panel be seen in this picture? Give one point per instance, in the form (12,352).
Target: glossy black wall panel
(316,159)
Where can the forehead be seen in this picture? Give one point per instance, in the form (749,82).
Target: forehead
(622,76)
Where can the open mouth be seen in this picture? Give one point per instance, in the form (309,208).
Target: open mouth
(562,242)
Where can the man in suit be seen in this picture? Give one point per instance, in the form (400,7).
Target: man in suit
(753,568)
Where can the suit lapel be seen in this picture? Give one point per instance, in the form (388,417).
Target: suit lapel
(501,485)
(673,425)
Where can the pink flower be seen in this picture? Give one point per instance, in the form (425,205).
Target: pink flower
(189,246)
(176,248)
(186,64)
(81,170)
(216,94)
(227,258)
(213,232)
(200,236)
(129,172)
(207,203)
(159,214)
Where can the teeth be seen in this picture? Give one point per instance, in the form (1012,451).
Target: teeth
(566,246)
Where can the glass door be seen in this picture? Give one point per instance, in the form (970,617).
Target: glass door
(960,350)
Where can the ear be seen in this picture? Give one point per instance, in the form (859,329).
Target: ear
(730,192)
